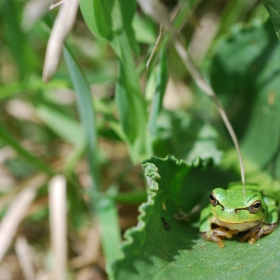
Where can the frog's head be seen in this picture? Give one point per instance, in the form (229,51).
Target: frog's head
(232,206)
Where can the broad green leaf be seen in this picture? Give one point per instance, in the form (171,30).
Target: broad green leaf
(109,19)
(246,68)
(273,7)
(104,17)
(104,21)
(86,7)
(161,247)
(7,137)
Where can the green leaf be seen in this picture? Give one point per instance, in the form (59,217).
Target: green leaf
(110,18)
(273,7)
(161,247)
(246,68)
(86,7)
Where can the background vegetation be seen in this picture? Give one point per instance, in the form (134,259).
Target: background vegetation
(71,149)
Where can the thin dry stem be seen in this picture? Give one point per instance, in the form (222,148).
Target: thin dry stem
(201,82)
(161,33)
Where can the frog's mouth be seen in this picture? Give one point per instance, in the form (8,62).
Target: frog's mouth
(236,226)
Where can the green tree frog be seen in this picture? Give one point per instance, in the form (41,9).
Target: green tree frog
(232,212)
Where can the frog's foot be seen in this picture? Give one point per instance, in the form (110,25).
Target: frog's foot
(258,231)
(216,235)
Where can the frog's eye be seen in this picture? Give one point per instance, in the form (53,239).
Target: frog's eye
(255,207)
(213,200)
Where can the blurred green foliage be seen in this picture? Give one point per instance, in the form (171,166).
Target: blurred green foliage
(104,108)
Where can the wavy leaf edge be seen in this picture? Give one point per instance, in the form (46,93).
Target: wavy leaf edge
(152,176)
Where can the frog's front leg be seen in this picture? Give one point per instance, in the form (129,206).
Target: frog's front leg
(269,225)
(258,231)
(215,235)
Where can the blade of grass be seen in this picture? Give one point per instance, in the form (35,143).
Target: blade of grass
(104,207)
(6,136)
(86,112)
